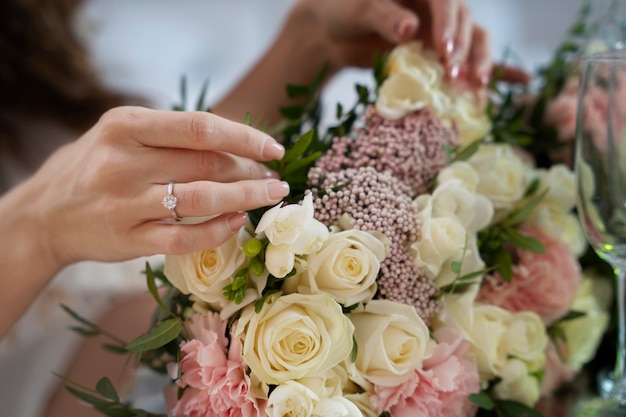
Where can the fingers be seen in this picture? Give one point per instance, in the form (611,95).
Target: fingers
(445,26)
(189,130)
(394,23)
(479,58)
(206,198)
(510,74)
(178,239)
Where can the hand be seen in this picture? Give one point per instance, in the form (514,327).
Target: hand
(355,30)
(100,197)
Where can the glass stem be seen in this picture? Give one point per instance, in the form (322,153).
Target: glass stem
(619,388)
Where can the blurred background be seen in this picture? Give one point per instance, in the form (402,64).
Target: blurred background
(145,46)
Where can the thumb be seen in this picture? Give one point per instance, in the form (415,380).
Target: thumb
(394,23)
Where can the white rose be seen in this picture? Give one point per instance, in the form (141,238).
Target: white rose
(291,399)
(561,186)
(362,401)
(414,81)
(504,177)
(470,262)
(205,273)
(452,199)
(561,225)
(441,239)
(470,118)
(338,406)
(279,260)
(392,341)
(583,334)
(526,339)
(517,384)
(328,384)
(461,171)
(294,336)
(345,267)
(293,225)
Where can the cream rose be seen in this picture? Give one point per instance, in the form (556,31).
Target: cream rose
(558,223)
(503,175)
(294,336)
(517,384)
(452,199)
(338,406)
(205,273)
(560,184)
(345,267)
(293,225)
(470,118)
(461,171)
(329,384)
(291,399)
(362,401)
(392,341)
(470,262)
(526,339)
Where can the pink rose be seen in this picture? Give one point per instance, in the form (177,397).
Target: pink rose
(545,284)
(214,373)
(441,388)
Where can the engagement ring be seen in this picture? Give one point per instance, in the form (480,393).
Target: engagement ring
(170,200)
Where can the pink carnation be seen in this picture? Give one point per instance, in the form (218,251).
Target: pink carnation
(545,284)
(556,372)
(213,373)
(441,388)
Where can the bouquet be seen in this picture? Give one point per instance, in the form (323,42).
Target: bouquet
(425,263)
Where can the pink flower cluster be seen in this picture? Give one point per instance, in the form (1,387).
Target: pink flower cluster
(213,373)
(543,283)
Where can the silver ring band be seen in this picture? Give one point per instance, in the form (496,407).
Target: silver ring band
(170,200)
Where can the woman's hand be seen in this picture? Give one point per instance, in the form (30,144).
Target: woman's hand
(355,30)
(99,198)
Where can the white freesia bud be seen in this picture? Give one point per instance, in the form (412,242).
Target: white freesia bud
(279,260)
(517,384)
(392,341)
(293,225)
(291,399)
(345,267)
(526,339)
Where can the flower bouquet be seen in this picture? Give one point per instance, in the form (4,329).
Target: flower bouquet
(424,264)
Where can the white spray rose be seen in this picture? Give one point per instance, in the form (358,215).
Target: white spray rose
(291,399)
(503,175)
(452,199)
(328,384)
(392,341)
(526,339)
(362,401)
(345,267)
(205,273)
(337,406)
(319,336)
(559,224)
(561,186)
(517,384)
(470,262)
(470,118)
(461,171)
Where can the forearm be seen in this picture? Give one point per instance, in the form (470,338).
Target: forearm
(296,57)
(26,264)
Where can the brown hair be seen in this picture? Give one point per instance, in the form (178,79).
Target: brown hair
(45,71)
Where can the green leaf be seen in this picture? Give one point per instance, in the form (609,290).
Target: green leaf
(528,243)
(504,264)
(248,119)
(355,350)
(78,317)
(295,91)
(339,111)
(467,152)
(114,348)
(519,215)
(201,97)
(183,93)
(299,147)
(106,389)
(164,333)
(88,398)
(299,163)
(152,287)
(506,408)
(292,112)
(85,332)
(482,399)
(572,315)
(456,267)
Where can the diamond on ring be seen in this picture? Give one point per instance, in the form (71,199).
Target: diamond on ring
(170,200)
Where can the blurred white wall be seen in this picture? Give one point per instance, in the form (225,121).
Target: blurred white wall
(145,46)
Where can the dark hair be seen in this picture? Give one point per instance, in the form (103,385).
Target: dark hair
(45,71)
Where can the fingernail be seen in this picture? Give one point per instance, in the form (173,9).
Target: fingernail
(237,220)
(273,150)
(484,79)
(272,174)
(277,190)
(449,47)
(454,71)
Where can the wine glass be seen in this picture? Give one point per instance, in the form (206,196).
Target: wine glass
(600,166)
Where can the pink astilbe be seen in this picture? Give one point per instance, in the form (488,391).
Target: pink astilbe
(412,149)
(543,283)
(214,374)
(441,388)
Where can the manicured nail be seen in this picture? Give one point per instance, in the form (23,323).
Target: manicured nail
(273,150)
(277,189)
(454,71)
(402,29)
(483,79)
(271,174)
(237,220)
(449,47)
